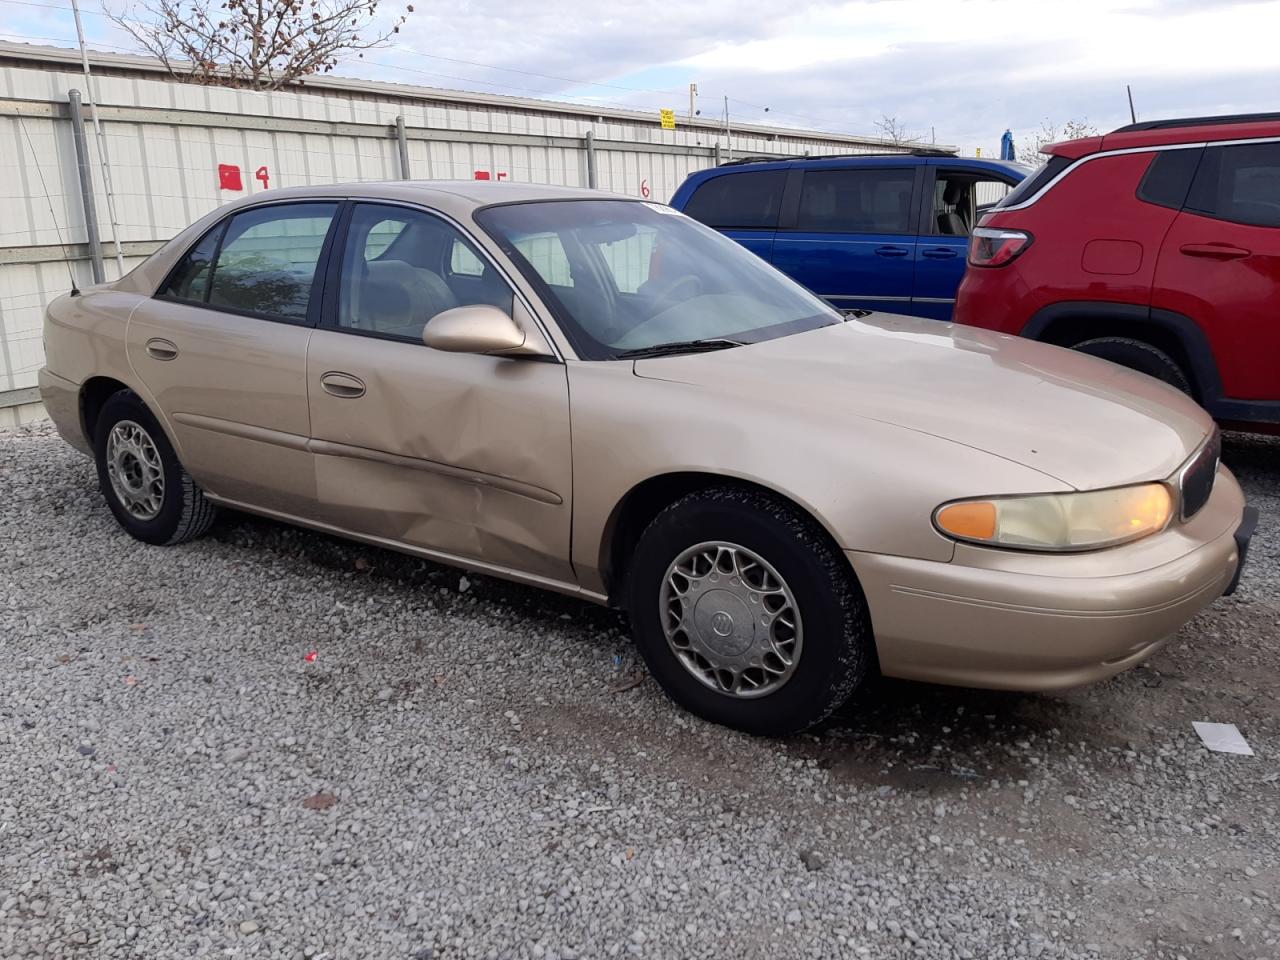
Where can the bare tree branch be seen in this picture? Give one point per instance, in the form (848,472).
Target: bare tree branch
(258,44)
(1049,132)
(895,132)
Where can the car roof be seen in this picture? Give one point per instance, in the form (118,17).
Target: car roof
(843,161)
(1156,133)
(455,197)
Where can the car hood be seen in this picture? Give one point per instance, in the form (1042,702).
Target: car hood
(1082,421)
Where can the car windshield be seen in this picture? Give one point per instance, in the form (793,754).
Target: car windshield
(623,277)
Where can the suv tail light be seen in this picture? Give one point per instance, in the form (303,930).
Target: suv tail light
(994,246)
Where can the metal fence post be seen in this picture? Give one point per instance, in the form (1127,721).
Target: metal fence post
(404,148)
(591,160)
(717,156)
(86,187)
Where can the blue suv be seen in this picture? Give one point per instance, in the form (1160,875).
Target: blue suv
(866,231)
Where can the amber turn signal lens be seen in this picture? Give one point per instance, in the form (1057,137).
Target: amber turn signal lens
(975,520)
(1086,520)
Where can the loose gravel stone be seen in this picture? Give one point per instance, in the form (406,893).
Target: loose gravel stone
(453,776)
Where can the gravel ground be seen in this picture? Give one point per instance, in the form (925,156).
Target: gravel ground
(474,769)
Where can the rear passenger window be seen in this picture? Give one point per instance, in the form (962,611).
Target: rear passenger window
(749,200)
(856,201)
(1169,177)
(1239,183)
(189,280)
(267,261)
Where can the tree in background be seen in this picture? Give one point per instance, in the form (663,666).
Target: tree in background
(259,44)
(1029,150)
(895,132)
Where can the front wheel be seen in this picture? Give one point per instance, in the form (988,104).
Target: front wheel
(747,614)
(1137,355)
(147,489)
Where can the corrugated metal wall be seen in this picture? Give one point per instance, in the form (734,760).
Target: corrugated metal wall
(166,141)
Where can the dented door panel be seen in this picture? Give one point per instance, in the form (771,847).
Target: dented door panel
(462,454)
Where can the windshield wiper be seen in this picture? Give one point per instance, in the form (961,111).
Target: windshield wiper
(677,347)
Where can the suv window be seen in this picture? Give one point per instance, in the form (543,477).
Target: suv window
(401,267)
(874,200)
(1169,177)
(1240,183)
(1032,184)
(260,262)
(748,200)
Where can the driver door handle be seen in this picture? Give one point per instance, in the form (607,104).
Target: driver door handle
(342,385)
(1214,251)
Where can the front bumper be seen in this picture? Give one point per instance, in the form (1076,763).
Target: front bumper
(1022,621)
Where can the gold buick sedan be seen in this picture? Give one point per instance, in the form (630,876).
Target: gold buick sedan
(597,395)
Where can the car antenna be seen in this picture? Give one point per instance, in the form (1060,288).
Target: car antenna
(75,291)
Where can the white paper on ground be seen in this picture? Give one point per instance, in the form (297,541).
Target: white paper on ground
(1222,737)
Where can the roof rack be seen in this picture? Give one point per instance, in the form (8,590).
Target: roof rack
(1198,122)
(778,158)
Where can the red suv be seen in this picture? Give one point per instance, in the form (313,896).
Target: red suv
(1156,246)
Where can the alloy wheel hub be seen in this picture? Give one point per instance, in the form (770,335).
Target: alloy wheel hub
(730,619)
(135,470)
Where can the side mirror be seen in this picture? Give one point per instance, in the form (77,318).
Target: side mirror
(478,328)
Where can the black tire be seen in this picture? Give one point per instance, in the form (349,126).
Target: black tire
(1138,355)
(837,647)
(184,513)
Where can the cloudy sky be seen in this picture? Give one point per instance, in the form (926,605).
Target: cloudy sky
(958,70)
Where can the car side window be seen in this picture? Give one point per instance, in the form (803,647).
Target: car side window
(958,200)
(871,200)
(266,263)
(743,200)
(1240,183)
(1168,179)
(401,267)
(189,280)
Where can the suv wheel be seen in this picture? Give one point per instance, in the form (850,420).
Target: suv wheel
(1138,355)
(746,614)
(147,489)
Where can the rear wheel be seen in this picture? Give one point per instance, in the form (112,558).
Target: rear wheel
(746,614)
(145,486)
(1138,355)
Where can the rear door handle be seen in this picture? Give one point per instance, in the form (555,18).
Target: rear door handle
(1214,251)
(939,253)
(160,349)
(890,251)
(342,385)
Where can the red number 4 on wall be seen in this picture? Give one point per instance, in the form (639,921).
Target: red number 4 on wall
(263,175)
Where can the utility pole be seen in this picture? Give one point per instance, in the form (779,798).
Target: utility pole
(728,140)
(693,100)
(102,140)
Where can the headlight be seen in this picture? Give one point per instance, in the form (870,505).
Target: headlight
(1059,521)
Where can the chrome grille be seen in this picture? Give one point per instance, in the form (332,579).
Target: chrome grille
(1195,483)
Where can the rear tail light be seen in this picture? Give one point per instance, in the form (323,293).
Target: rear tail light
(994,247)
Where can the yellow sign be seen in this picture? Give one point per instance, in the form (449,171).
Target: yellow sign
(979,153)
(668,119)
